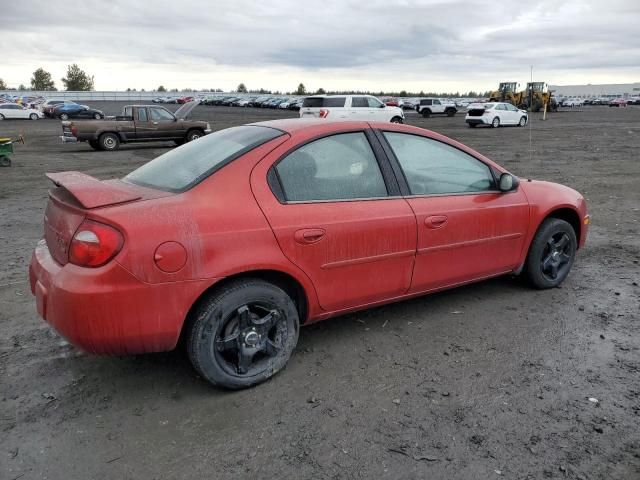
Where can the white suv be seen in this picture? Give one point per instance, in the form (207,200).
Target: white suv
(350,107)
(434,106)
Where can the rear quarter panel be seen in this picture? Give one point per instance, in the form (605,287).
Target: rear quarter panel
(218,222)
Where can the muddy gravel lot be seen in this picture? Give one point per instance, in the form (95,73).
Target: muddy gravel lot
(493,380)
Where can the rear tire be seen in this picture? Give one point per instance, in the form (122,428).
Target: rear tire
(34,116)
(495,123)
(396,120)
(243,334)
(426,113)
(5,161)
(551,254)
(109,142)
(64,116)
(1,117)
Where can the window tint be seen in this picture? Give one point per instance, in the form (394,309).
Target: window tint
(359,102)
(160,114)
(318,102)
(425,102)
(338,167)
(184,167)
(500,107)
(373,102)
(142,115)
(433,167)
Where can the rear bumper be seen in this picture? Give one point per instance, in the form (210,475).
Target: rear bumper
(68,139)
(477,121)
(107,310)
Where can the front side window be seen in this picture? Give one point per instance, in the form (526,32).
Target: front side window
(374,102)
(339,167)
(436,102)
(433,167)
(161,115)
(184,167)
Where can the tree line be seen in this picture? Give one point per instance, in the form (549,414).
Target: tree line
(77,79)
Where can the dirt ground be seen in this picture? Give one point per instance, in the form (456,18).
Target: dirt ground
(491,380)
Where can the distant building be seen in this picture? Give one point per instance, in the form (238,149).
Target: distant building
(611,90)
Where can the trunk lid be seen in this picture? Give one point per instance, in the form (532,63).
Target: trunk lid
(74,196)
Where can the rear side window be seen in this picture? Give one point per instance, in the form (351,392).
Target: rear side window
(339,167)
(425,102)
(433,167)
(142,114)
(183,168)
(359,102)
(320,102)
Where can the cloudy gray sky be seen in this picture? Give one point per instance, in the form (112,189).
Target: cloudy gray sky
(443,45)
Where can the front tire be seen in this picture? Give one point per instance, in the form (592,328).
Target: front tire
(396,120)
(64,116)
(194,135)
(551,254)
(451,112)
(109,142)
(522,122)
(97,116)
(495,123)
(243,334)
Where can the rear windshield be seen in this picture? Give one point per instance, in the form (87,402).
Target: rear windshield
(183,168)
(319,102)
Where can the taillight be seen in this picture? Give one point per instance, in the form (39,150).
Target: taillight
(324,113)
(74,130)
(94,244)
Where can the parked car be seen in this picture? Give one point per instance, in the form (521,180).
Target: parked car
(618,102)
(572,102)
(495,114)
(10,111)
(183,100)
(408,104)
(436,106)
(138,123)
(353,107)
(390,101)
(327,218)
(51,106)
(67,111)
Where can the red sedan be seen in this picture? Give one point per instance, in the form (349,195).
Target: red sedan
(235,240)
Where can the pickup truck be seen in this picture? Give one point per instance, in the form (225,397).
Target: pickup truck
(138,123)
(434,106)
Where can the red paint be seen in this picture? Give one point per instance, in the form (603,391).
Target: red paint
(345,255)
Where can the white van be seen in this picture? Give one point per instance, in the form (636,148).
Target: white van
(350,107)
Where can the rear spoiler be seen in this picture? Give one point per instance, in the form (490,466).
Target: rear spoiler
(89,191)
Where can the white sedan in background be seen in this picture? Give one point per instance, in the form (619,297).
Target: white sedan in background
(573,102)
(13,110)
(495,114)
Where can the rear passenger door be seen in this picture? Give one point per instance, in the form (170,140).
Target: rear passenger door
(339,218)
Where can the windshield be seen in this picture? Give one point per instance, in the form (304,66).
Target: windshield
(183,168)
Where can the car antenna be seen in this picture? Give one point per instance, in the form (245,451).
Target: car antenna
(530,94)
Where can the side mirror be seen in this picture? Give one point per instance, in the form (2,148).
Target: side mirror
(507,182)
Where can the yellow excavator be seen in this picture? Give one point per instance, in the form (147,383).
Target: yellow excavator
(535,97)
(507,92)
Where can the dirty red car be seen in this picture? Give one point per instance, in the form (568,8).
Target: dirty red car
(233,241)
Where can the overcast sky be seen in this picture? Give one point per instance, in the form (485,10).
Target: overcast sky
(366,45)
